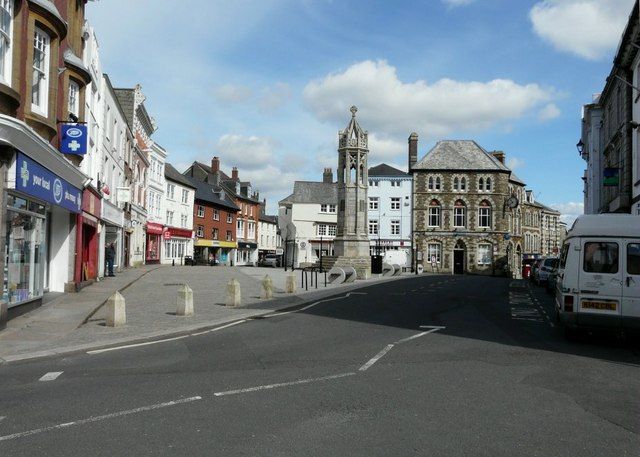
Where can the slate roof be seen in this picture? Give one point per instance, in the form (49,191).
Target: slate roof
(126,98)
(386,170)
(515,178)
(207,192)
(267,218)
(459,155)
(172,174)
(227,182)
(313,192)
(548,209)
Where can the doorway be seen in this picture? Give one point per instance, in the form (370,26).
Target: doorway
(459,256)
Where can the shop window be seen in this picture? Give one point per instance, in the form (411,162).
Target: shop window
(434,252)
(484,254)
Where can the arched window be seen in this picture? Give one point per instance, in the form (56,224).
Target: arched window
(487,185)
(463,184)
(484,214)
(456,183)
(459,214)
(430,186)
(481,184)
(438,183)
(434,213)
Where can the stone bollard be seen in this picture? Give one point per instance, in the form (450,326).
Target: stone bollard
(233,293)
(267,288)
(291,284)
(185,301)
(116,314)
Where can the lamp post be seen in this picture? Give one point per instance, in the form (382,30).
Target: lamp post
(580,147)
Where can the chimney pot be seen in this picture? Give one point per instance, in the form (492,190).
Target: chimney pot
(234,173)
(327,176)
(413,150)
(498,155)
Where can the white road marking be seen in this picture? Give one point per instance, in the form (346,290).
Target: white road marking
(284,313)
(281,384)
(51,376)
(98,418)
(148,343)
(377,357)
(220,328)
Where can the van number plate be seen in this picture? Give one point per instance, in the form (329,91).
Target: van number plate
(603,305)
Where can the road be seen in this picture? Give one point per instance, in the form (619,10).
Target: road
(435,365)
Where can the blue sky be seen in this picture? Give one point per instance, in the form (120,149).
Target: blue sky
(266,85)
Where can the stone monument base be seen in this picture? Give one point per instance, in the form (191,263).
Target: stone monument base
(362,265)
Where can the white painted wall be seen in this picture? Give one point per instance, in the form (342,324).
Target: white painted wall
(60,247)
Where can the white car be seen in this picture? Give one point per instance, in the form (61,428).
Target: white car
(545,269)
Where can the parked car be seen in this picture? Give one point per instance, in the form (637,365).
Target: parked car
(535,266)
(270,260)
(553,280)
(544,268)
(599,274)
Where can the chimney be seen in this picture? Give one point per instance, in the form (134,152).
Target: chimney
(215,164)
(413,150)
(234,173)
(498,155)
(327,176)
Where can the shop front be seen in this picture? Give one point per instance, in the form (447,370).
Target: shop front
(113,220)
(247,253)
(39,212)
(178,244)
(88,238)
(225,255)
(153,242)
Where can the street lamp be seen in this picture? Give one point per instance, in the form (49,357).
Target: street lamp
(580,147)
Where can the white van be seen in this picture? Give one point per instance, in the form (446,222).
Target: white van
(598,283)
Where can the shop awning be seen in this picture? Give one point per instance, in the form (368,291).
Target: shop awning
(154,229)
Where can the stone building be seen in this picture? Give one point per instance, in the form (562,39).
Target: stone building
(467,215)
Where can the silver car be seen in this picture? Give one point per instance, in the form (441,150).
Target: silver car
(270,260)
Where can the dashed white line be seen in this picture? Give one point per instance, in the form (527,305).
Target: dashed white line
(281,384)
(377,357)
(98,418)
(51,376)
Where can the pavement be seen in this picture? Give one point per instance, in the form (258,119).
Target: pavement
(76,322)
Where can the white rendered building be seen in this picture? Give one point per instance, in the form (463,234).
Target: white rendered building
(177,234)
(269,240)
(389,209)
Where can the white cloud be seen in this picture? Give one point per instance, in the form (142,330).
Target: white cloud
(386,149)
(390,106)
(569,211)
(231,93)
(588,28)
(454,3)
(274,97)
(551,111)
(248,152)
(514,163)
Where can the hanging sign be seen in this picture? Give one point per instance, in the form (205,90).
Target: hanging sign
(73,139)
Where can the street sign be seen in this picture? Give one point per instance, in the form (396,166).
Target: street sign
(73,139)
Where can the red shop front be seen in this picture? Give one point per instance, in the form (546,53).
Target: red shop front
(87,238)
(154,238)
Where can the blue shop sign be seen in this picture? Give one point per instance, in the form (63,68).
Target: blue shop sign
(73,139)
(35,180)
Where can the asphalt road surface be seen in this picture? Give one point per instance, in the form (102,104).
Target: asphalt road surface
(439,365)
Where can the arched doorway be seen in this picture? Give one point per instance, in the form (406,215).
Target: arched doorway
(459,258)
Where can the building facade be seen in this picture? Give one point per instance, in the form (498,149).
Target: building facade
(270,241)
(177,235)
(155,203)
(591,154)
(389,210)
(308,220)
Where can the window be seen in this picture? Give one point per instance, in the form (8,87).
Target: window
(215,233)
(438,183)
(601,257)
(633,258)
(430,185)
(395,203)
(6,23)
(434,252)
(456,184)
(396,183)
(484,253)
(481,184)
(200,211)
(171,190)
(323,208)
(74,98)
(229,218)
(463,183)
(373,183)
(373,203)
(332,230)
(484,215)
(185,196)
(183,221)
(434,214)
(251,228)
(459,214)
(169,217)
(229,237)
(332,208)
(200,231)
(373,227)
(216,215)
(395,227)
(322,230)
(240,227)
(40,84)
(487,185)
